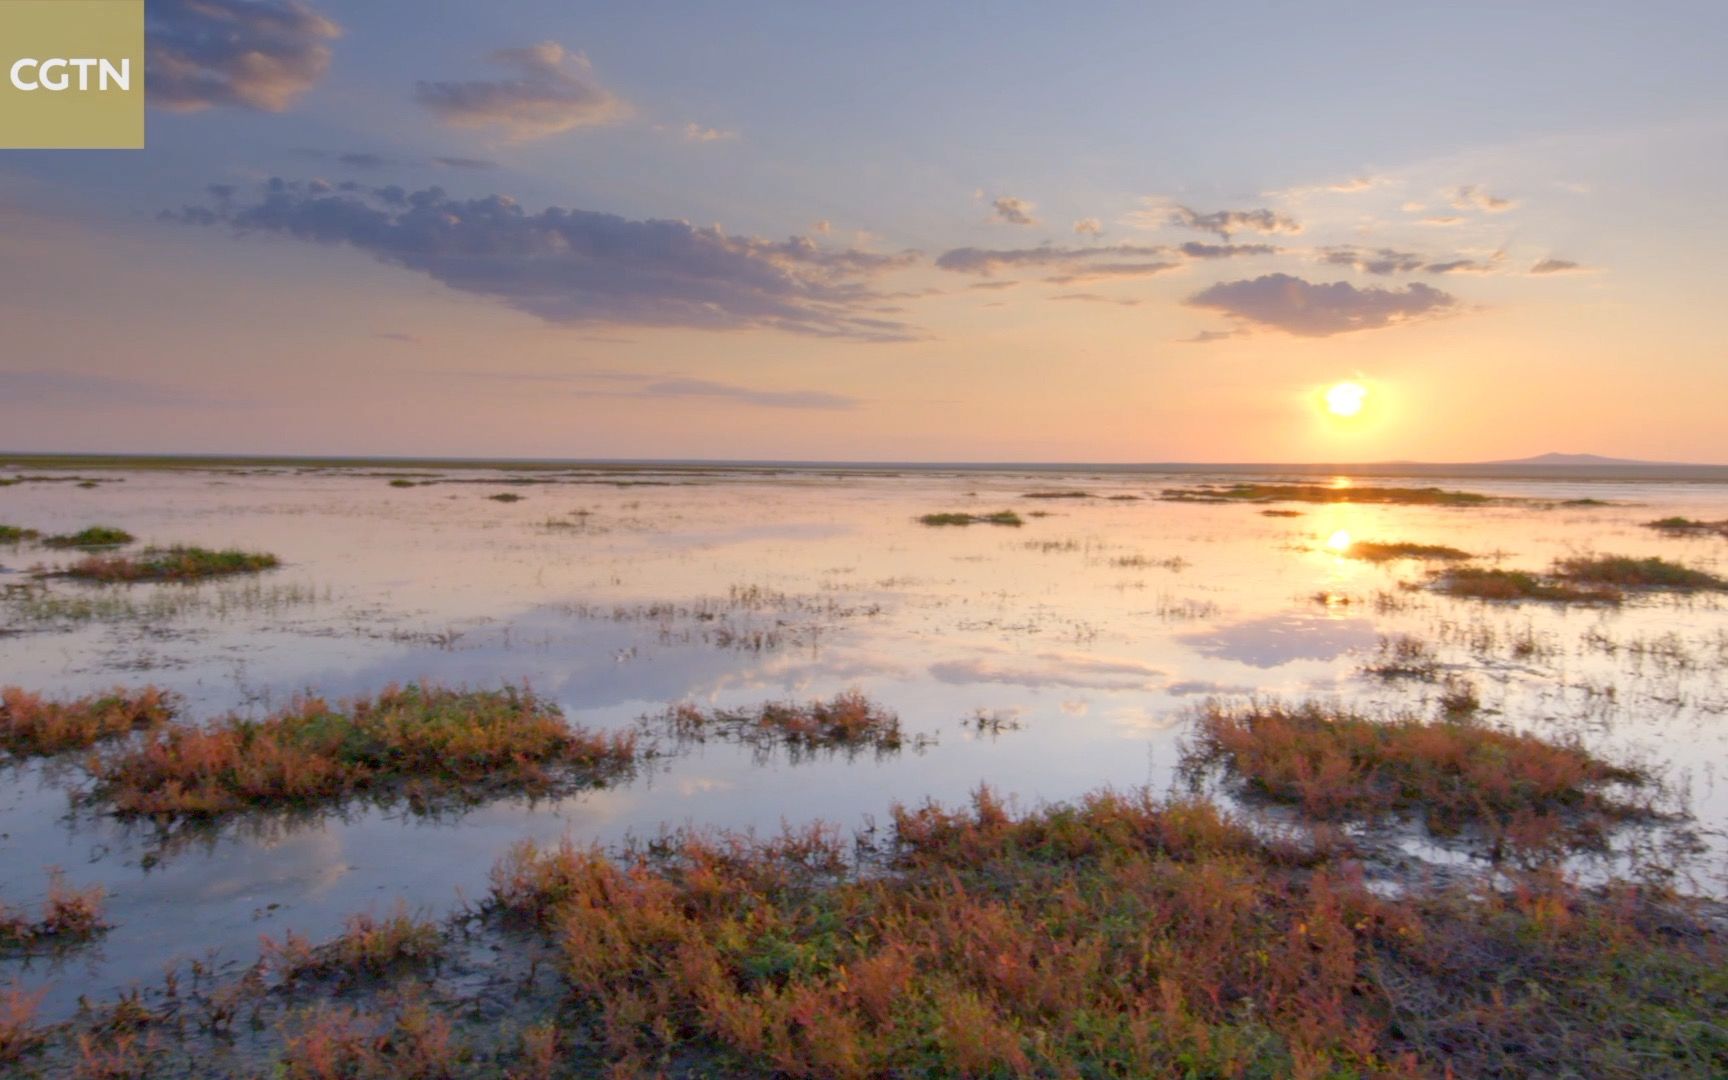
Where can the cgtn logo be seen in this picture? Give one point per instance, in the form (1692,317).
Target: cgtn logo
(30,74)
(71,75)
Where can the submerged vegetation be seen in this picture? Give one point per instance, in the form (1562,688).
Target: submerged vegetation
(176,563)
(1000,517)
(92,537)
(1685,526)
(1373,552)
(848,721)
(68,915)
(421,742)
(32,725)
(1325,493)
(1522,792)
(1625,572)
(1482,583)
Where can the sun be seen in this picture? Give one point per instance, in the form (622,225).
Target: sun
(1345,399)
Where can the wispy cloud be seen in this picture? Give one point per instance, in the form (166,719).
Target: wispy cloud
(252,54)
(697,133)
(986,261)
(1088,226)
(1558,266)
(771,399)
(1098,271)
(1385,261)
(49,389)
(1472,197)
(1222,223)
(577,266)
(1011,211)
(1094,298)
(556,91)
(1310,309)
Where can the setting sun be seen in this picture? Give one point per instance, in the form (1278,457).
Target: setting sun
(1345,399)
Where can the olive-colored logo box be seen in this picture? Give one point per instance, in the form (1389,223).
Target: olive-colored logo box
(71,74)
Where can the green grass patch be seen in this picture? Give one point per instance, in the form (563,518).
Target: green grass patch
(1326,493)
(17,534)
(171,564)
(1626,572)
(1482,583)
(92,537)
(1000,517)
(1373,552)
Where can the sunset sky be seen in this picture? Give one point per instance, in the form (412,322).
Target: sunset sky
(887,231)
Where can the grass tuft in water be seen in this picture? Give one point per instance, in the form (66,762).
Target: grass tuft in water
(171,564)
(1626,572)
(1000,517)
(1374,552)
(32,725)
(68,915)
(1522,792)
(92,537)
(850,720)
(421,742)
(1482,583)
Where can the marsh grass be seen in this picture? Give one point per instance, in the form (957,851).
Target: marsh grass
(178,563)
(1000,517)
(1375,552)
(33,726)
(37,603)
(1684,526)
(1326,493)
(17,534)
(18,1030)
(506,497)
(427,744)
(1403,656)
(1524,794)
(1483,583)
(95,536)
(368,947)
(68,915)
(1059,495)
(1119,936)
(848,721)
(1626,572)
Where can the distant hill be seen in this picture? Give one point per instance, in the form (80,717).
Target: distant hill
(1576,459)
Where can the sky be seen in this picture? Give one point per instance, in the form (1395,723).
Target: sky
(887,232)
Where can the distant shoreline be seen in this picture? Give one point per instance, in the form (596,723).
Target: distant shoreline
(1628,471)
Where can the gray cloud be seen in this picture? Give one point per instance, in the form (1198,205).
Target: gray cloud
(464,163)
(1205,336)
(1088,226)
(1380,261)
(1321,310)
(556,92)
(580,267)
(1225,222)
(367,161)
(1094,298)
(252,54)
(1011,211)
(1194,249)
(50,389)
(1471,197)
(773,399)
(1096,271)
(1556,266)
(986,261)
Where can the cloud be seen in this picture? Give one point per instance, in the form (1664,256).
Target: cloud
(368,161)
(1355,184)
(1225,222)
(1011,211)
(1471,197)
(1088,226)
(1379,261)
(1489,265)
(1205,336)
(1441,220)
(556,92)
(773,399)
(1194,249)
(251,54)
(50,389)
(1308,309)
(1095,271)
(580,267)
(1558,266)
(1094,298)
(694,132)
(986,261)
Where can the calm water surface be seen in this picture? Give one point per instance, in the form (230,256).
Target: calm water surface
(1093,632)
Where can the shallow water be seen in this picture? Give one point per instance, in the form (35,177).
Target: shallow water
(1093,632)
